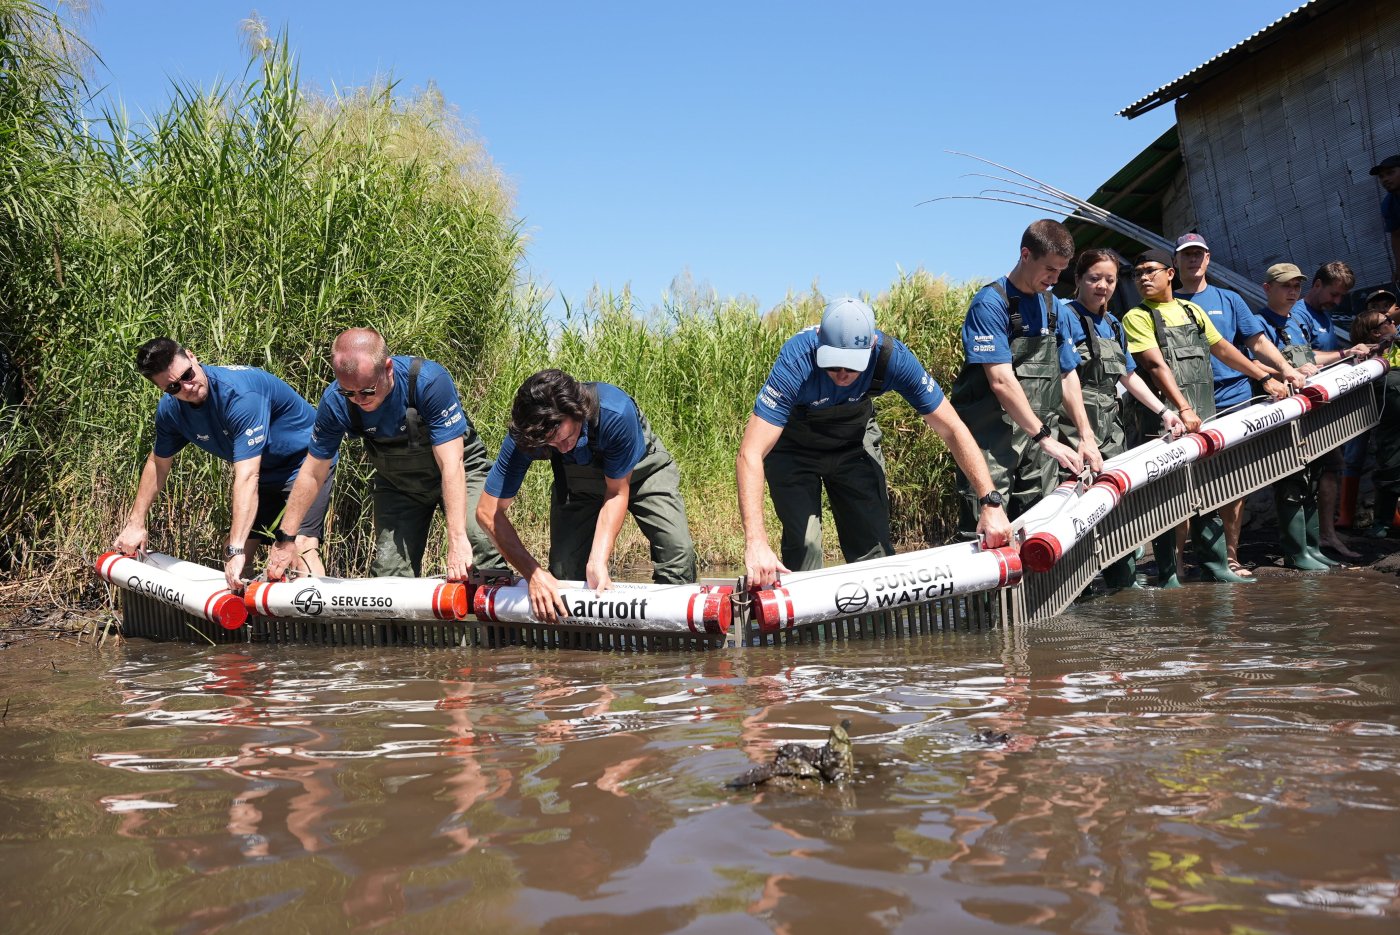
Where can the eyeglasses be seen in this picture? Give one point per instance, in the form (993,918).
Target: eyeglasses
(363,394)
(174,386)
(1148,273)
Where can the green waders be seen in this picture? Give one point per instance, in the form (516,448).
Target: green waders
(838,447)
(1187,354)
(1295,496)
(1386,476)
(1020,471)
(654,500)
(408,490)
(1102,365)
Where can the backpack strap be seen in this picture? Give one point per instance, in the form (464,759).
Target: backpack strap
(1090,333)
(882,365)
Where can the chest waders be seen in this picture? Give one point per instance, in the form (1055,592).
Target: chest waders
(1295,496)
(1386,476)
(1187,354)
(838,448)
(1020,470)
(654,500)
(1102,365)
(408,489)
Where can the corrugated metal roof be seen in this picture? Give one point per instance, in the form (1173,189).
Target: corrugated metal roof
(1226,60)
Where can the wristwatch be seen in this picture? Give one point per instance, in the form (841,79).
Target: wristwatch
(279,537)
(993,498)
(231,550)
(1044,433)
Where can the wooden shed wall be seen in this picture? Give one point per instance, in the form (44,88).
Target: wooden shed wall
(1279,148)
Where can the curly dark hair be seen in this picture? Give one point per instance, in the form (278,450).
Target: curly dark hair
(545,400)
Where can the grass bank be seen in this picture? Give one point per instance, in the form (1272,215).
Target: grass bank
(255,220)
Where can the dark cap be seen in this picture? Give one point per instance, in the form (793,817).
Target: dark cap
(1382,294)
(1155,256)
(1389,162)
(1189,240)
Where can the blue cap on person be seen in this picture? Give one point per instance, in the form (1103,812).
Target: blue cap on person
(1191,239)
(847,335)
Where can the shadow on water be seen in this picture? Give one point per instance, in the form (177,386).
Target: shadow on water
(1210,760)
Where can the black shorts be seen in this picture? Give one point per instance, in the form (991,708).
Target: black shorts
(272,499)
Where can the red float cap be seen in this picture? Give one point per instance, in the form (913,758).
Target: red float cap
(1010,560)
(1315,393)
(1117,479)
(228,610)
(719,614)
(1214,441)
(1040,552)
(770,608)
(482,601)
(450,601)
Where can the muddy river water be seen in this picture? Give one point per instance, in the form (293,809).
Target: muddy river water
(1214,760)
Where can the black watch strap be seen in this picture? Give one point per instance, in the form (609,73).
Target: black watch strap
(280,537)
(1044,433)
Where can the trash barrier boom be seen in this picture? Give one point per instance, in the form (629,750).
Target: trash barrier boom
(206,597)
(884,583)
(359,598)
(1048,539)
(672,608)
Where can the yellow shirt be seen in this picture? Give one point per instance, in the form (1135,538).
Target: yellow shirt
(1137,324)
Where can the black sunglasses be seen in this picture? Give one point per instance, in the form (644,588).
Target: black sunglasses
(174,386)
(363,394)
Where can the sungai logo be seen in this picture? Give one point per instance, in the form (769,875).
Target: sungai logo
(309,602)
(1165,463)
(851,598)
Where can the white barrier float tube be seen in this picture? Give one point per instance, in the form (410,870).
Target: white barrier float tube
(1235,427)
(1342,378)
(359,598)
(1048,544)
(205,597)
(661,608)
(885,583)
(1152,460)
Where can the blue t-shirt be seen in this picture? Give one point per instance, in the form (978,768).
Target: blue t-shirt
(796,380)
(248,413)
(1320,330)
(1236,324)
(620,445)
(1390,213)
(438,406)
(1103,328)
(1284,330)
(986,331)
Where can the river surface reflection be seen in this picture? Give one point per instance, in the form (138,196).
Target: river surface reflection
(1210,760)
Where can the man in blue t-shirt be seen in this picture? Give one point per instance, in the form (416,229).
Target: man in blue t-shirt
(1230,315)
(1388,172)
(607,463)
(241,415)
(813,425)
(425,451)
(1020,378)
(1329,287)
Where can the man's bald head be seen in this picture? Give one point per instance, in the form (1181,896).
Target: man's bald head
(359,352)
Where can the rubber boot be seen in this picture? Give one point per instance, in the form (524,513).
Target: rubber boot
(1314,531)
(1208,534)
(1293,533)
(1164,550)
(1346,499)
(1122,574)
(1386,501)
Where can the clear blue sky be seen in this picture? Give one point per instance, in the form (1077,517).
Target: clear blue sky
(761,146)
